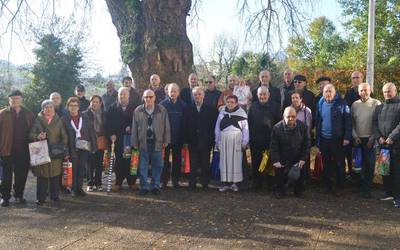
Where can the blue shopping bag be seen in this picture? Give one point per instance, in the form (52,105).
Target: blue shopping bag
(357,159)
(215,172)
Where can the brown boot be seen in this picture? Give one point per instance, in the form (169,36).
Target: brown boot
(116,188)
(134,187)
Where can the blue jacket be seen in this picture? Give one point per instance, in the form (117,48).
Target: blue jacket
(340,117)
(175,115)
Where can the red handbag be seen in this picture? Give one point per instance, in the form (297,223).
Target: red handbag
(185,168)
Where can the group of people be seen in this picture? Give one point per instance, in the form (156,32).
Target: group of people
(281,123)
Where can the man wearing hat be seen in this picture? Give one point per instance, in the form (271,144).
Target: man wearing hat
(300,84)
(15,123)
(80,93)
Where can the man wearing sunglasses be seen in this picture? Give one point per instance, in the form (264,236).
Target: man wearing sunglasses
(211,95)
(150,133)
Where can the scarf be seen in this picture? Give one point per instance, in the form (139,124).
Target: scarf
(77,130)
(232,117)
(97,121)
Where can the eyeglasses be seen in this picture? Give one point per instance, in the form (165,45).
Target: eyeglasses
(208,82)
(355,77)
(148,97)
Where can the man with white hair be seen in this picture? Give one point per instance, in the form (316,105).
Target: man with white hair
(118,125)
(110,96)
(186,93)
(290,148)
(198,126)
(265,79)
(286,87)
(263,115)
(151,132)
(333,130)
(57,100)
(362,112)
(386,124)
(175,108)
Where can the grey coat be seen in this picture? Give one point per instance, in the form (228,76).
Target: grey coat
(161,126)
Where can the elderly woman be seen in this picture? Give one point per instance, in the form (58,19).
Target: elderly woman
(303,112)
(231,138)
(97,117)
(48,126)
(82,142)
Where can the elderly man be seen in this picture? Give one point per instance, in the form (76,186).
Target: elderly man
(352,94)
(362,112)
(211,95)
(150,133)
(110,96)
(333,129)
(321,82)
(232,82)
(118,125)
(80,93)
(15,123)
(57,101)
(155,85)
(265,78)
(290,147)
(186,93)
(134,96)
(198,127)
(175,108)
(286,87)
(386,124)
(263,115)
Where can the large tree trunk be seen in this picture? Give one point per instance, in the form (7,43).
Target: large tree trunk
(153,38)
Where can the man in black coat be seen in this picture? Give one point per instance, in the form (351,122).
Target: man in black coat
(265,78)
(290,145)
(286,87)
(212,94)
(198,127)
(263,115)
(80,93)
(186,93)
(118,125)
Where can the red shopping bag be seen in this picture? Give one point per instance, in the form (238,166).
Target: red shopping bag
(318,167)
(185,168)
(67,174)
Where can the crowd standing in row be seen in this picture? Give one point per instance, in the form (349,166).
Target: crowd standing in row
(163,121)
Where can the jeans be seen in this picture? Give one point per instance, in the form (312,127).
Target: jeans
(367,165)
(156,168)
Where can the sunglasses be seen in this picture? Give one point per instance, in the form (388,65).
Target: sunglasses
(148,97)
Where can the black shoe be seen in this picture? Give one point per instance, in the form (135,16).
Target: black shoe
(67,191)
(143,192)
(156,191)
(20,200)
(176,185)
(298,194)
(5,203)
(279,194)
(81,192)
(56,199)
(39,202)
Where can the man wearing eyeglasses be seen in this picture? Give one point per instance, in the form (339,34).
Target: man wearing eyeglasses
(211,95)
(150,133)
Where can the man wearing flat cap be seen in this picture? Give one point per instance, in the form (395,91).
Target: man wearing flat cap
(15,123)
(80,93)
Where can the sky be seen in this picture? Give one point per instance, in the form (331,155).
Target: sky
(102,43)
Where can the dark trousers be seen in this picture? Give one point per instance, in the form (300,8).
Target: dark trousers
(122,171)
(95,168)
(281,178)
(17,164)
(348,154)
(199,166)
(391,182)
(368,165)
(174,169)
(43,186)
(333,161)
(78,169)
(256,157)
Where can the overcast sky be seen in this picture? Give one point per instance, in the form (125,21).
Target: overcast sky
(102,43)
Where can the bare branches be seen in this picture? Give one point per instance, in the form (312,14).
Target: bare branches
(268,21)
